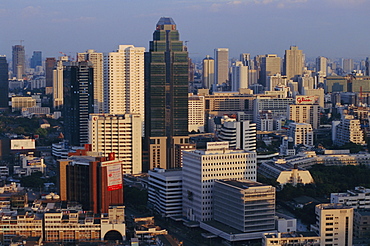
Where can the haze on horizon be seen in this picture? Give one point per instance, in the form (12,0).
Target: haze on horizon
(331,28)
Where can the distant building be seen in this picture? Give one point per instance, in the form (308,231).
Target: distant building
(302,133)
(36,59)
(347,130)
(19,61)
(293,62)
(22,102)
(270,66)
(221,66)
(208,73)
(239,76)
(4,84)
(196,113)
(49,67)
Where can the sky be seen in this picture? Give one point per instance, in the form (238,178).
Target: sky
(331,28)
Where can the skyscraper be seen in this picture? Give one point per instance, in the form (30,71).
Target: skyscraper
(97,62)
(50,63)
(221,65)
(19,61)
(208,72)
(4,84)
(36,59)
(293,62)
(124,81)
(166,95)
(270,65)
(321,65)
(239,76)
(58,83)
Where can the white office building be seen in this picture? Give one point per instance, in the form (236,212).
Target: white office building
(359,198)
(239,76)
(348,130)
(119,134)
(165,191)
(301,133)
(196,113)
(202,167)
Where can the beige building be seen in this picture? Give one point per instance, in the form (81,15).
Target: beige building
(196,113)
(301,133)
(334,224)
(97,60)
(22,102)
(291,238)
(304,113)
(119,134)
(208,72)
(293,62)
(221,65)
(348,130)
(58,83)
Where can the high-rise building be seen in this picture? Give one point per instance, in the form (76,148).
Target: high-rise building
(301,133)
(245,58)
(97,62)
(239,76)
(4,84)
(119,134)
(124,81)
(58,99)
(221,66)
(321,65)
(208,72)
(347,65)
(166,100)
(367,66)
(36,59)
(78,101)
(19,61)
(50,63)
(270,65)
(293,62)
(348,130)
(200,170)
(196,113)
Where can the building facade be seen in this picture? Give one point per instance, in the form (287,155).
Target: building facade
(293,62)
(19,61)
(221,66)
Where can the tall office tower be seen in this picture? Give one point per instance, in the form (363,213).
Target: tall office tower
(78,101)
(245,58)
(166,100)
(221,66)
(239,76)
(124,81)
(19,61)
(97,62)
(36,59)
(367,66)
(119,134)
(58,83)
(293,62)
(270,65)
(4,84)
(50,63)
(208,72)
(347,65)
(321,65)
(334,224)
(200,170)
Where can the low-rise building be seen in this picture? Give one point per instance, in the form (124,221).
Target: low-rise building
(359,198)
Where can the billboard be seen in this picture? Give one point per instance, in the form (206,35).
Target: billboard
(18,144)
(306,99)
(114,175)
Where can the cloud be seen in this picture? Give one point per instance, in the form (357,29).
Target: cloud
(30,11)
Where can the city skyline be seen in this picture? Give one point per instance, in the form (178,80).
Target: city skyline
(319,28)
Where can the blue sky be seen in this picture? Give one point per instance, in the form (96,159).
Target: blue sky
(332,28)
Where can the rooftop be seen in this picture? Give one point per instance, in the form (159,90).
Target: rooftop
(165,21)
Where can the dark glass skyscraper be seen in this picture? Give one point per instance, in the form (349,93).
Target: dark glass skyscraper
(4,84)
(36,59)
(19,61)
(166,94)
(78,101)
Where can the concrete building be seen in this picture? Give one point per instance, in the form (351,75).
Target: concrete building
(196,113)
(245,205)
(208,72)
(294,238)
(304,113)
(119,134)
(96,59)
(359,198)
(239,134)
(58,83)
(278,106)
(361,225)
(322,65)
(221,66)
(4,84)
(306,82)
(301,133)
(239,76)
(200,170)
(22,102)
(165,192)
(334,224)
(274,81)
(348,130)
(293,62)
(270,66)
(50,63)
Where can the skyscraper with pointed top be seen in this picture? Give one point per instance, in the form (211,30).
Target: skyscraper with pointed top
(166,95)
